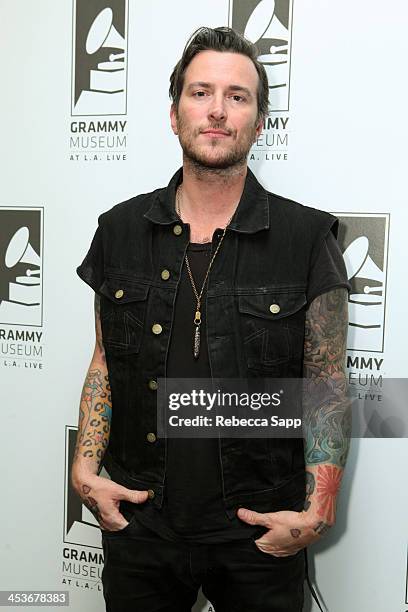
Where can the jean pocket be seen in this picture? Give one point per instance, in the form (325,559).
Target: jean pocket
(118,532)
(272,324)
(123,309)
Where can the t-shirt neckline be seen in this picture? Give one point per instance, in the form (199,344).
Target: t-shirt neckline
(199,246)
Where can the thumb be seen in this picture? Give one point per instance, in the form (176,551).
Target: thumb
(131,495)
(253,518)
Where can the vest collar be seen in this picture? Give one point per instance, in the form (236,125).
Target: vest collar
(251,215)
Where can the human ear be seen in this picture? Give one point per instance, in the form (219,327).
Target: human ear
(259,127)
(173,118)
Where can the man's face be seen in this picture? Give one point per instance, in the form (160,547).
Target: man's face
(216,120)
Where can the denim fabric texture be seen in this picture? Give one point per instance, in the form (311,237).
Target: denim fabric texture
(265,259)
(143,571)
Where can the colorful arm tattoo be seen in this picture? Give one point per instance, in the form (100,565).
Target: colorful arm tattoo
(326,408)
(95,411)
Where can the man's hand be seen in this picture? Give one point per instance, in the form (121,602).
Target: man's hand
(288,532)
(103,496)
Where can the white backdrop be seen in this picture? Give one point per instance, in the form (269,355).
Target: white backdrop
(342,149)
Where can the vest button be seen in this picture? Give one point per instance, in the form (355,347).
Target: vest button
(274,308)
(165,274)
(153,384)
(177,229)
(119,293)
(157,328)
(151,437)
(150,493)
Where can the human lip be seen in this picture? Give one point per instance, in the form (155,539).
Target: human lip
(215,133)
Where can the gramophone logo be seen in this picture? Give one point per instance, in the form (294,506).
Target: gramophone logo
(100,57)
(21,266)
(364,242)
(80,525)
(268,24)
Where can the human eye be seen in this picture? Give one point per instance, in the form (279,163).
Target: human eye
(199,94)
(238,98)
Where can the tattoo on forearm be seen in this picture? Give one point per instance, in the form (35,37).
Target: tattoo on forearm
(91,503)
(322,487)
(310,487)
(327,488)
(326,416)
(321,528)
(95,415)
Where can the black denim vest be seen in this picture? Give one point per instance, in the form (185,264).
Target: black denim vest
(265,259)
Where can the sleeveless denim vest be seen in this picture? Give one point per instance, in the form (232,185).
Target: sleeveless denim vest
(134,264)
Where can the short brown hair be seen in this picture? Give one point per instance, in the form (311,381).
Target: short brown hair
(219,39)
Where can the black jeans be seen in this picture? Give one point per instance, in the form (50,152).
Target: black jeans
(143,572)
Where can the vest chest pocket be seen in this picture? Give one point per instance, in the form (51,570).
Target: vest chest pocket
(123,308)
(272,327)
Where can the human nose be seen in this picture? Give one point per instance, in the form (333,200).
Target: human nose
(217,110)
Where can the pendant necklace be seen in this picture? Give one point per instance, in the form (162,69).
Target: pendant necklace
(198,296)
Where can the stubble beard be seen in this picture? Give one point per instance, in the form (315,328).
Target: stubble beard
(229,161)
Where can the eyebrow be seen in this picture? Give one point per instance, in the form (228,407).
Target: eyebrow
(205,85)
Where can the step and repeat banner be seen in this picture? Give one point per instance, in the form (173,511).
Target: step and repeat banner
(85,125)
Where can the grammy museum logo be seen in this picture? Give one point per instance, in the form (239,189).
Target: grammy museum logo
(21,287)
(268,24)
(99,80)
(363,238)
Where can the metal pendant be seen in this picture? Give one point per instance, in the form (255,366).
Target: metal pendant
(197,342)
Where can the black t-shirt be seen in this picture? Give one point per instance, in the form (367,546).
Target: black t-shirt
(193,508)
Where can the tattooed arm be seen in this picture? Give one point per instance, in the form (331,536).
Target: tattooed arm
(95,408)
(100,495)
(326,425)
(326,408)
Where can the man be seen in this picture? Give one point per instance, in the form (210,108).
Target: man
(212,277)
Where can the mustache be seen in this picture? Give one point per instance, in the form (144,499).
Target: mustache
(217,126)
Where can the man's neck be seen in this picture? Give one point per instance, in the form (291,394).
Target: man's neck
(210,197)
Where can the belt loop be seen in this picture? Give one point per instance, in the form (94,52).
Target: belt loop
(313,592)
